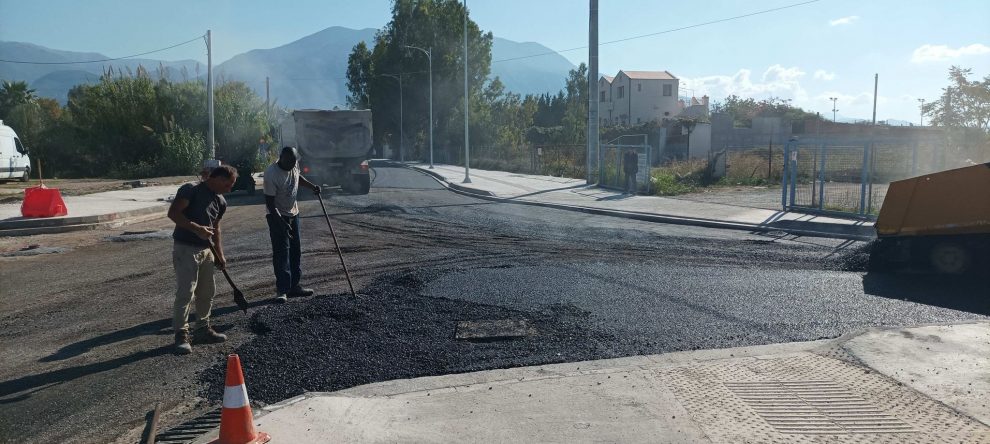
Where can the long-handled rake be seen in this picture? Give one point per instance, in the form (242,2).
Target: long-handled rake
(336,245)
(238,296)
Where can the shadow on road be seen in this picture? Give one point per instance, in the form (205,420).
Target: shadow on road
(963,293)
(159,327)
(41,380)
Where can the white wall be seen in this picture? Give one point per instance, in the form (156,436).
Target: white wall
(700,143)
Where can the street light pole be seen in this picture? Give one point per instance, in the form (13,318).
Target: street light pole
(467,143)
(429,56)
(402,136)
(209,94)
(833,99)
(922,101)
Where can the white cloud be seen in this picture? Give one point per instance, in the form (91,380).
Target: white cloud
(776,81)
(934,53)
(843,21)
(863,98)
(821,74)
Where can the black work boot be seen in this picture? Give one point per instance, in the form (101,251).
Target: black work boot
(299,291)
(182,346)
(207,335)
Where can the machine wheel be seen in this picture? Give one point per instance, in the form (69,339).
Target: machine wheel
(949,258)
(363,183)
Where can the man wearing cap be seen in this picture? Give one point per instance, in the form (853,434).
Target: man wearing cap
(196,211)
(282,180)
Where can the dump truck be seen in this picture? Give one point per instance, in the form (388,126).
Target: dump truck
(334,146)
(939,221)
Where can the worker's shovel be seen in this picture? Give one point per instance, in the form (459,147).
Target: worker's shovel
(238,296)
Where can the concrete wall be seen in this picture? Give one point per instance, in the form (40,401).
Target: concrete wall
(701,141)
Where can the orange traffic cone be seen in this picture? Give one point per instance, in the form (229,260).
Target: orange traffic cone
(236,420)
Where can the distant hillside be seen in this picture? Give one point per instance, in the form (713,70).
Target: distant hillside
(307,73)
(55,81)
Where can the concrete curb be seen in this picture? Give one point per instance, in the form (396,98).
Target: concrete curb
(28,227)
(647,217)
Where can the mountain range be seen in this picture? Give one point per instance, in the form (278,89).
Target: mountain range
(307,73)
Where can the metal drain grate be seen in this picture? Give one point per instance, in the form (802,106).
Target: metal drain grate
(815,407)
(190,430)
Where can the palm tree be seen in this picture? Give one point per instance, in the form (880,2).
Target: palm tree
(13,94)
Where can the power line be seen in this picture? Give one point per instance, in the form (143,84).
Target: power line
(765,11)
(104,60)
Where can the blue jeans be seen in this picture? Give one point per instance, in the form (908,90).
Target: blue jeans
(286,253)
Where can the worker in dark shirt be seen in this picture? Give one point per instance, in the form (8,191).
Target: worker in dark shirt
(197,211)
(630,166)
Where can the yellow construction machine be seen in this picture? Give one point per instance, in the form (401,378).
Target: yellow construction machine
(938,221)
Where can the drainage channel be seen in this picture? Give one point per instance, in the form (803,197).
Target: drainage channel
(189,431)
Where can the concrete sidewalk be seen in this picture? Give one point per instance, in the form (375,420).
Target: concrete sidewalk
(924,384)
(573,194)
(90,211)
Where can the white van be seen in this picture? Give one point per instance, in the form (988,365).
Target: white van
(14,161)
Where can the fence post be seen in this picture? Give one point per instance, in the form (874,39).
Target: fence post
(784,174)
(873,167)
(864,178)
(821,177)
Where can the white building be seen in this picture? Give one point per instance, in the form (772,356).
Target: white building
(634,97)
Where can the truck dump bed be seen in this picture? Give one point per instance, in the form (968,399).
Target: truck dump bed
(950,202)
(323,134)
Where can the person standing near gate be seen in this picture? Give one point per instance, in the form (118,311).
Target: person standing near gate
(630,165)
(282,181)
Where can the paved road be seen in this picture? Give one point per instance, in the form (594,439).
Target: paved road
(86,332)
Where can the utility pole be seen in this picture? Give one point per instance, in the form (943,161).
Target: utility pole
(467,144)
(833,99)
(592,88)
(922,107)
(209,95)
(876,82)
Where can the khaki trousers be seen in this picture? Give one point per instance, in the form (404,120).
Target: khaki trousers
(193,276)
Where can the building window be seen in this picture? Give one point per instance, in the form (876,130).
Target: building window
(639,87)
(622,90)
(668,90)
(602,96)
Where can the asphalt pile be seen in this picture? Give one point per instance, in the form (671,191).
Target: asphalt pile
(858,259)
(333,342)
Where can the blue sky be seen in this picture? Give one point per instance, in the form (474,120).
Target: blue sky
(828,48)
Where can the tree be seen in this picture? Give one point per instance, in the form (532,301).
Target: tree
(13,94)
(358,76)
(427,24)
(964,103)
(743,110)
(575,120)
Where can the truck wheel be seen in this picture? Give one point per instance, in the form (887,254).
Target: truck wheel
(363,183)
(949,258)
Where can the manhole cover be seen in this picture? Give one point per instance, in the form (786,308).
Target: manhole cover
(814,408)
(494,329)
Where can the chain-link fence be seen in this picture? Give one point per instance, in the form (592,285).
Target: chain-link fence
(547,160)
(612,169)
(852,178)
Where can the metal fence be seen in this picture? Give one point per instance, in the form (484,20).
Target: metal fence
(611,171)
(545,160)
(851,178)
